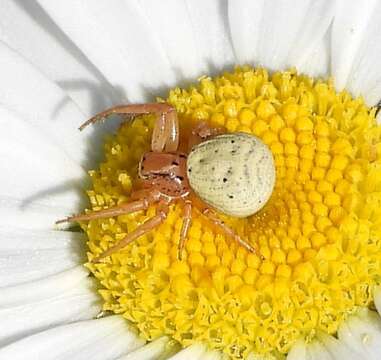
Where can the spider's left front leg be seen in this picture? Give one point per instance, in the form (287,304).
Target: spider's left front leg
(151,223)
(165,135)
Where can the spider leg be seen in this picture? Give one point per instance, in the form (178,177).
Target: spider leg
(187,211)
(227,230)
(166,130)
(378,107)
(126,208)
(203,131)
(151,223)
(165,134)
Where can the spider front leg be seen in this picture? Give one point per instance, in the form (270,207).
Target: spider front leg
(151,223)
(166,130)
(378,107)
(203,131)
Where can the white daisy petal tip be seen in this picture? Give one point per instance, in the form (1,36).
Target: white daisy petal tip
(214,355)
(362,334)
(195,351)
(337,348)
(298,351)
(317,351)
(377,289)
(253,356)
(323,347)
(160,348)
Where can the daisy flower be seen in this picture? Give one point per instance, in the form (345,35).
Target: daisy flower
(302,75)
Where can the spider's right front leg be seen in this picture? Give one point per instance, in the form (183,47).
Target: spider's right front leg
(203,131)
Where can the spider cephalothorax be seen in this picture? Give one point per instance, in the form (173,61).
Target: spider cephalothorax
(166,172)
(232,173)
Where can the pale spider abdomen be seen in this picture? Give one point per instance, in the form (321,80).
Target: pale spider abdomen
(234,173)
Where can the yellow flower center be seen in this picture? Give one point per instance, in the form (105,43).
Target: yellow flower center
(319,234)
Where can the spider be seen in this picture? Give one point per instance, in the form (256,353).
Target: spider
(167,175)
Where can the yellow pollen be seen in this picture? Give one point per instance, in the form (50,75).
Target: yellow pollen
(319,234)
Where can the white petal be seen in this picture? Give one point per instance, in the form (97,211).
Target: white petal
(298,351)
(16,239)
(31,255)
(317,63)
(15,214)
(365,75)
(210,24)
(316,351)
(25,91)
(193,352)
(347,337)
(171,21)
(39,290)
(244,19)
(212,355)
(35,168)
(101,339)
(284,35)
(118,40)
(348,27)
(32,307)
(26,28)
(362,333)
(338,349)
(253,356)
(311,35)
(377,298)
(156,349)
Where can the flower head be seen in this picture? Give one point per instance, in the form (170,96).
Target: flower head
(313,236)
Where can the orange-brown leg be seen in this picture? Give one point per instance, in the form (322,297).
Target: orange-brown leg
(165,136)
(378,107)
(139,193)
(227,230)
(166,131)
(202,131)
(125,208)
(172,136)
(187,220)
(161,215)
